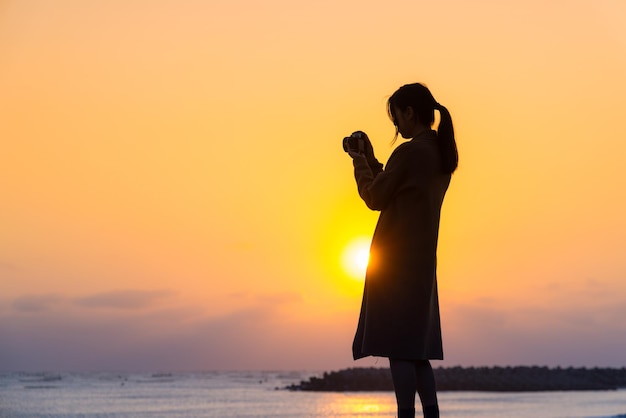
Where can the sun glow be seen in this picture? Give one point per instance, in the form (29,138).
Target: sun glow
(355,258)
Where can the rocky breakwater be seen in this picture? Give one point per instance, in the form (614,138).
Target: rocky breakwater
(491,379)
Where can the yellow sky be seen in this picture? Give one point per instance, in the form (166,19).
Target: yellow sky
(175,195)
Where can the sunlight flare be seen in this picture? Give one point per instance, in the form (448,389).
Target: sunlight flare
(355,258)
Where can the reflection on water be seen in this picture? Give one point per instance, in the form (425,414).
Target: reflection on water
(254,395)
(356,405)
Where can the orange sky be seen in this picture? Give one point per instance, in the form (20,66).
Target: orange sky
(175,195)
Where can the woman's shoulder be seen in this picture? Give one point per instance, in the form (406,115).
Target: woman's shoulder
(417,148)
(422,147)
(422,154)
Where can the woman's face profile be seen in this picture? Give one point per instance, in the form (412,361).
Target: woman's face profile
(404,121)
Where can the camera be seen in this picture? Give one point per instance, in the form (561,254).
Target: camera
(354,142)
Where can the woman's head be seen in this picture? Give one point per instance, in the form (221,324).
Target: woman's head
(417,97)
(417,102)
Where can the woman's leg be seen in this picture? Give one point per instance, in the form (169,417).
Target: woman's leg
(408,377)
(404,385)
(425,383)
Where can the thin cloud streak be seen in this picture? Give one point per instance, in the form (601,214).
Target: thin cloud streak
(124,299)
(36,303)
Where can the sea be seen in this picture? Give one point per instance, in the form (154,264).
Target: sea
(262,394)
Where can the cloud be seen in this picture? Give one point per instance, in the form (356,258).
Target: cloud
(120,300)
(284,331)
(124,299)
(36,303)
(591,334)
(270,333)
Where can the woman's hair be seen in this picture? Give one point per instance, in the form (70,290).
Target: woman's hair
(424,104)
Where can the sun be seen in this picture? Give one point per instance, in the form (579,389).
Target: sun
(355,258)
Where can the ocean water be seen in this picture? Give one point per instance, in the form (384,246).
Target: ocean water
(258,394)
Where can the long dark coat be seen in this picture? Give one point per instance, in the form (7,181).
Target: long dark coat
(400,309)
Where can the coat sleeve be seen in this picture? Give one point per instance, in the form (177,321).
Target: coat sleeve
(377,187)
(375,166)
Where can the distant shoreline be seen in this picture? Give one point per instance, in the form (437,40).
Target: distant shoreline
(487,379)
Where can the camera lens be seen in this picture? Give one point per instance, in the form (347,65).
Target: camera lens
(346,143)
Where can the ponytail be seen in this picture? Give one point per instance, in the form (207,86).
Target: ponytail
(424,104)
(447,143)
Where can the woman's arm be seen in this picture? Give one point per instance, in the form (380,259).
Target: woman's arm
(377,188)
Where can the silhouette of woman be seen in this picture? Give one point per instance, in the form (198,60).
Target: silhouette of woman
(399,316)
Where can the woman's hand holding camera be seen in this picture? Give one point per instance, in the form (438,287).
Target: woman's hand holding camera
(358,145)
